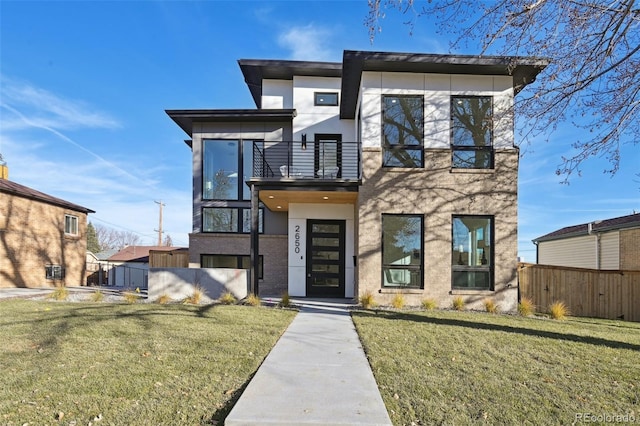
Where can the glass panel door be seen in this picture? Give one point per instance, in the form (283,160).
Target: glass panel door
(325,258)
(328,156)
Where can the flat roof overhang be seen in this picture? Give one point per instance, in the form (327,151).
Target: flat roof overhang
(256,70)
(277,194)
(185,118)
(523,69)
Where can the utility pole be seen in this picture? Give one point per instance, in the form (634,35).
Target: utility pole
(159,230)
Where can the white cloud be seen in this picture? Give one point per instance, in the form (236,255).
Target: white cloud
(31,106)
(307,43)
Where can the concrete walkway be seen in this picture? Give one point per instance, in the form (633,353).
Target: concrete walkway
(317,374)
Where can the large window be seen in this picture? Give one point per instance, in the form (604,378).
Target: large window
(472,132)
(402,248)
(472,252)
(403,131)
(229,261)
(226,166)
(70,224)
(229,219)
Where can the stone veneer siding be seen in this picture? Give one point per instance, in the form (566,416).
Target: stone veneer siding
(438,192)
(32,236)
(630,249)
(273,248)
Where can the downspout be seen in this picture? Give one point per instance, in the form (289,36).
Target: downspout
(597,241)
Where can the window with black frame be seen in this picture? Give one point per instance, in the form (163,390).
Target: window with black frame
(230,220)
(472,132)
(472,253)
(402,248)
(403,131)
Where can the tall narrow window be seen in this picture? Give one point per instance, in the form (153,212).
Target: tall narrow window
(472,252)
(70,224)
(402,247)
(403,131)
(220,164)
(472,132)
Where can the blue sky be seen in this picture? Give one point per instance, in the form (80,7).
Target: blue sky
(84,86)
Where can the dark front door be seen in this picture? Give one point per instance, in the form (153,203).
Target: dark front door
(325,258)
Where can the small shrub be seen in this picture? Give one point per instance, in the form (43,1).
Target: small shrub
(429,304)
(163,299)
(458,303)
(285,302)
(367,301)
(252,300)
(526,307)
(227,298)
(131,297)
(558,310)
(491,306)
(398,301)
(60,293)
(196,296)
(97,296)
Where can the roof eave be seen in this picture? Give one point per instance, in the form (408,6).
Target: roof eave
(523,70)
(185,118)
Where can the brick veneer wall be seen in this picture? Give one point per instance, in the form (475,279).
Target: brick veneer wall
(273,248)
(438,192)
(630,250)
(32,236)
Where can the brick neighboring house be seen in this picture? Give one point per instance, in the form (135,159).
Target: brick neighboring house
(611,244)
(385,173)
(43,240)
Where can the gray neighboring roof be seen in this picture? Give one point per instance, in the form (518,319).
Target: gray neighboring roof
(9,187)
(256,70)
(523,69)
(105,254)
(623,222)
(186,117)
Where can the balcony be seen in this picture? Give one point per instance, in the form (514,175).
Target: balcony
(312,161)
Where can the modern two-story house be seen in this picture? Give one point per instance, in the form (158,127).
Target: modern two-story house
(384,173)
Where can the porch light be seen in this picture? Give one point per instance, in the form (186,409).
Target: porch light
(325,198)
(304,141)
(271,197)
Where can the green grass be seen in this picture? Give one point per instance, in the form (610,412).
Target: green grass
(143,364)
(445,367)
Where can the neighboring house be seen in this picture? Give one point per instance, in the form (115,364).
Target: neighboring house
(612,244)
(129,267)
(43,239)
(386,173)
(98,267)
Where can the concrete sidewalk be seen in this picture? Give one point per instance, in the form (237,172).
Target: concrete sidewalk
(317,374)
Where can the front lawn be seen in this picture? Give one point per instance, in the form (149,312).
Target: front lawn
(456,368)
(143,364)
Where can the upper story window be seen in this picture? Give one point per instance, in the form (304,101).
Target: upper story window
(325,99)
(472,132)
(70,224)
(403,130)
(226,165)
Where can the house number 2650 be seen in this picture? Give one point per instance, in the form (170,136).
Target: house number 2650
(296,239)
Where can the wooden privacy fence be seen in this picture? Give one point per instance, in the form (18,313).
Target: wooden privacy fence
(586,292)
(178,258)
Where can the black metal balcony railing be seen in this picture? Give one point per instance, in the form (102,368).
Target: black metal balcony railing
(328,160)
